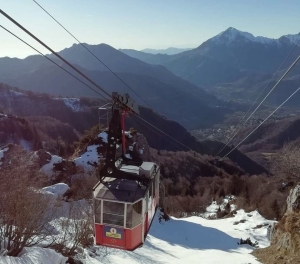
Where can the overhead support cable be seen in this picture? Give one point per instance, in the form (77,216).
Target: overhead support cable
(55,53)
(163,132)
(78,71)
(160,135)
(53,62)
(261,123)
(84,46)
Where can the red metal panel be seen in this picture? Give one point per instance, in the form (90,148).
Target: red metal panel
(129,239)
(98,234)
(133,237)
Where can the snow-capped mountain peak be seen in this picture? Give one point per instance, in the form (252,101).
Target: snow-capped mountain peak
(231,35)
(293,38)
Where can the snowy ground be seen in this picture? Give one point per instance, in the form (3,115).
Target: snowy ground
(48,168)
(194,240)
(35,255)
(91,156)
(188,240)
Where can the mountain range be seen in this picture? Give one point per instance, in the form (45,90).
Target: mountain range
(163,91)
(235,62)
(193,87)
(57,116)
(168,51)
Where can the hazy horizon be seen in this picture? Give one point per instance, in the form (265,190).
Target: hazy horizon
(141,24)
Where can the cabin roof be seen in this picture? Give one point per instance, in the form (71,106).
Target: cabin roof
(121,190)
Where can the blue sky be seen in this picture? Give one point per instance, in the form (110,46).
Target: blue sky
(140,24)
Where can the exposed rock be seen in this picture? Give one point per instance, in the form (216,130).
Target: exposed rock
(285,235)
(43,157)
(293,200)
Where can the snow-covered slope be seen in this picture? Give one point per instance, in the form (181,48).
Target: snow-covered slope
(35,255)
(86,161)
(48,168)
(188,240)
(92,156)
(194,240)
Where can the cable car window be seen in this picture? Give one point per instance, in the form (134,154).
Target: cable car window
(97,209)
(129,216)
(113,213)
(137,213)
(134,214)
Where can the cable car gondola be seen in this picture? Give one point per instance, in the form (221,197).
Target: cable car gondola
(126,197)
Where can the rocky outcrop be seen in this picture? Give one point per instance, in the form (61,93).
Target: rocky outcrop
(43,157)
(293,200)
(285,235)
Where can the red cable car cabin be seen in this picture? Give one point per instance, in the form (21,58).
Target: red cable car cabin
(126,198)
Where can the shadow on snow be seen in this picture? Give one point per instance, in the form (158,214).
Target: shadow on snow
(191,235)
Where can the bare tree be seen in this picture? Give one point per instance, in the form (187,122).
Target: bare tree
(23,220)
(23,209)
(27,214)
(75,228)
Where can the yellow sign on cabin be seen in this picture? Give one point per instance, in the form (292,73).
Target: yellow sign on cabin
(109,234)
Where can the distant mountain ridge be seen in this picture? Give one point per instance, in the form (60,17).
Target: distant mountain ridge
(37,107)
(168,51)
(232,48)
(231,34)
(165,92)
(234,62)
